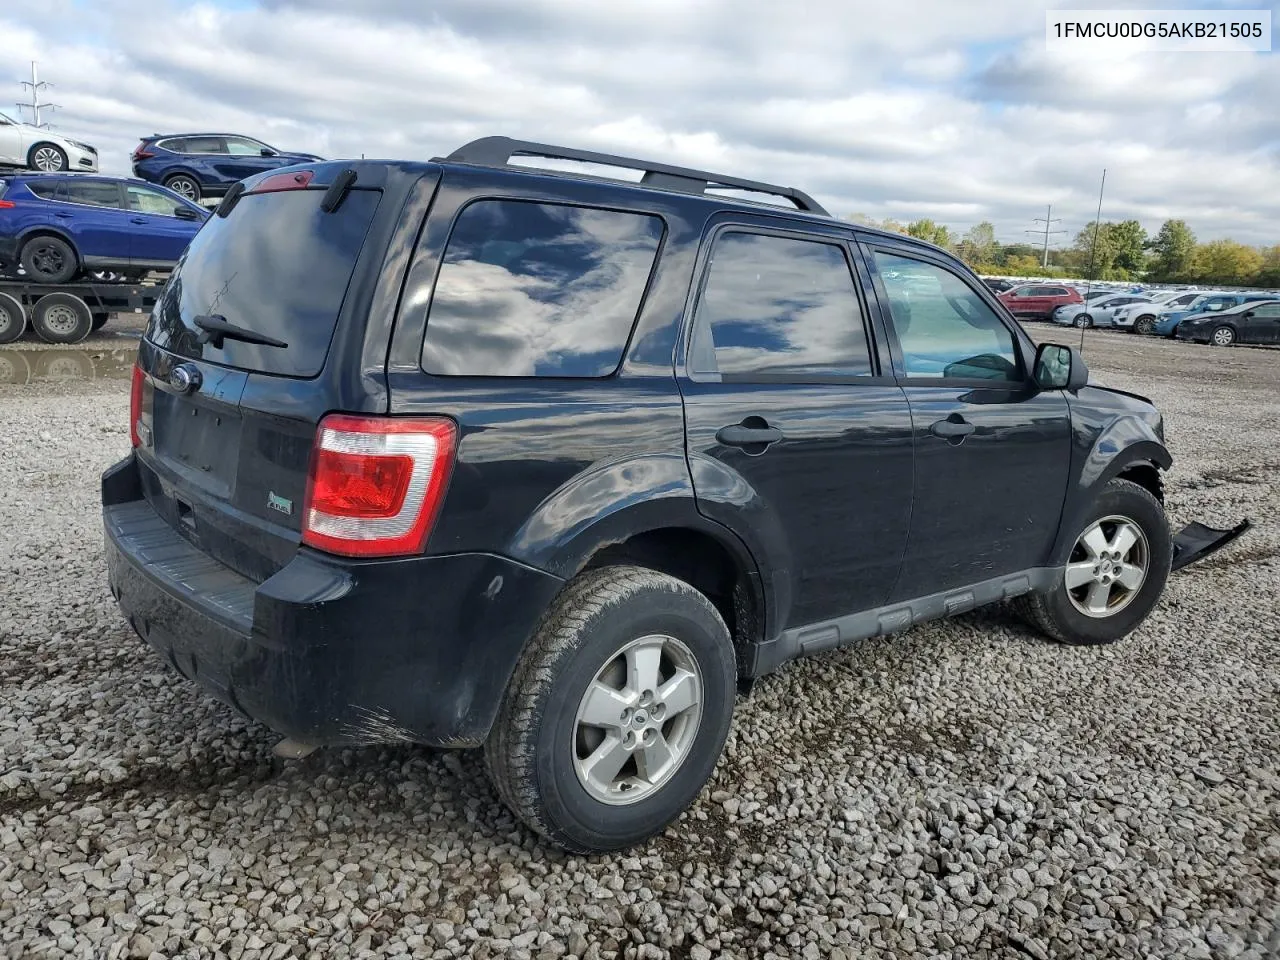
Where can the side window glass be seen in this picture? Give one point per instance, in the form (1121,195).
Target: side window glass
(1267,310)
(943,327)
(143,200)
(778,307)
(538,290)
(240,147)
(94,194)
(44,189)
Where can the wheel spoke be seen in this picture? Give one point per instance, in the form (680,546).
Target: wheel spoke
(653,757)
(1094,541)
(643,663)
(1099,596)
(1130,576)
(679,693)
(603,706)
(1124,539)
(605,762)
(1078,574)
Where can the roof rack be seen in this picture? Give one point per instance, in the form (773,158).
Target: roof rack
(498,151)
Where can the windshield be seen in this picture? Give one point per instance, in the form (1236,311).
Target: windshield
(7,118)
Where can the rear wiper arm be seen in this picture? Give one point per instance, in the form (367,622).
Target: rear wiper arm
(214,328)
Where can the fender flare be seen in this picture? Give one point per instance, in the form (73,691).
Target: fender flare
(44,230)
(1125,442)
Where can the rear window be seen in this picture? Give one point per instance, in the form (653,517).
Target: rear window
(278,265)
(538,289)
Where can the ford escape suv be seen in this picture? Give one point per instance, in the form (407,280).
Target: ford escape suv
(470,454)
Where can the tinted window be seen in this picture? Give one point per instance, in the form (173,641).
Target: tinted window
(944,328)
(774,306)
(144,200)
(44,189)
(277,265)
(176,146)
(1267,310)
(92,192)
(1055,291)
(538,289)
(203,145)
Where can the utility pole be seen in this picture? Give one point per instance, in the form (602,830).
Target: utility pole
(1048,222)
(36,85)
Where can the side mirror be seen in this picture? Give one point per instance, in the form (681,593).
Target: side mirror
(1246,315)
(185,213)
(268,152)
(1060,368)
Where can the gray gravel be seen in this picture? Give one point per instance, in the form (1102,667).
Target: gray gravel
(965,790)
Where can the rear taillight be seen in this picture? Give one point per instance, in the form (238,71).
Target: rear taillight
(7,204)
(142,153)
(135,405)
(376,483)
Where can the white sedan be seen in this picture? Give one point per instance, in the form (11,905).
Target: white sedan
(22,145)
(1099,312)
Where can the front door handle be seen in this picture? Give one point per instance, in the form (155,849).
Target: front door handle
(138,220)
(63,216)
(953,429)
(754,435)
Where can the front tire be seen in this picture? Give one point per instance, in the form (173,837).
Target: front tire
(1084,321)
(1222,337)
(618,711)
(47,158)
(1144,325)
(1114,574)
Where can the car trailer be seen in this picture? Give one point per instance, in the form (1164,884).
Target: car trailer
(68,312)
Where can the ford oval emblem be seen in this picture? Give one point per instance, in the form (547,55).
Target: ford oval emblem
(185,378)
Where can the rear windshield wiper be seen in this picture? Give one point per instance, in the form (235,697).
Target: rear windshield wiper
(214,328)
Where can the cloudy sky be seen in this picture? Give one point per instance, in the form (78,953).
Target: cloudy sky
(904,109)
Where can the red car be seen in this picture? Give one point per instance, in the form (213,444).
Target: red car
(1038,301)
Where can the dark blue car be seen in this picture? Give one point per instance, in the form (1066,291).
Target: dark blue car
(198,165)
(55,226)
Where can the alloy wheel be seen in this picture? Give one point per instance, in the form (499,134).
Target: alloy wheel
(1224,337)
(1108,566)
(48,159)
(638,720)
(184,187)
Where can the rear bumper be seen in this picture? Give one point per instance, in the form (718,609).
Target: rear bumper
(328,651)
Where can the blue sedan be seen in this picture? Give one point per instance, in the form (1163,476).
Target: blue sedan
(57,226)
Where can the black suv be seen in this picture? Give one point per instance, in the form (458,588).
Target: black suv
(465,453)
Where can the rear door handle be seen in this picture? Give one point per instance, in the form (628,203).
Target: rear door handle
(63,216)
(954,429)
(751,432)
(138,220)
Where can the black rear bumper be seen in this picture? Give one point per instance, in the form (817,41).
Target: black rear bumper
(328,651)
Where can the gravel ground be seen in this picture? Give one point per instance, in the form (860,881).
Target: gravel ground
(964,790)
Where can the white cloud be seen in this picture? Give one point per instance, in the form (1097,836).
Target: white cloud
(916,108)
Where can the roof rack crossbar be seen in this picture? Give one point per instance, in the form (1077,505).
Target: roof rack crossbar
(498,151)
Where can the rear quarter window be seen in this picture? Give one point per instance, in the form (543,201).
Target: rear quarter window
(538,289)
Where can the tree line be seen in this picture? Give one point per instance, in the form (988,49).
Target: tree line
(1123,251)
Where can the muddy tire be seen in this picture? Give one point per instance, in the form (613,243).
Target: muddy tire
(618,711)
(61,318)
(1114,574)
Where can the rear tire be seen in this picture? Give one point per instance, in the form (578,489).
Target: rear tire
(99,321)
(13,318)
(61,318)
(49,259)
(611,632)
(1122,603)
(185,186)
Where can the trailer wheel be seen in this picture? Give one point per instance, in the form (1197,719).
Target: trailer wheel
(61,318)
(99,321)
(13,319)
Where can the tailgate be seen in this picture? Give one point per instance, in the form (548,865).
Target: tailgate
(235,358)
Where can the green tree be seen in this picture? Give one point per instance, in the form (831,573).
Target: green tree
(979,243)
(1096,245)
(1225,261)
(925,229)
(1129,241)
(1269,274)
(1172,251)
